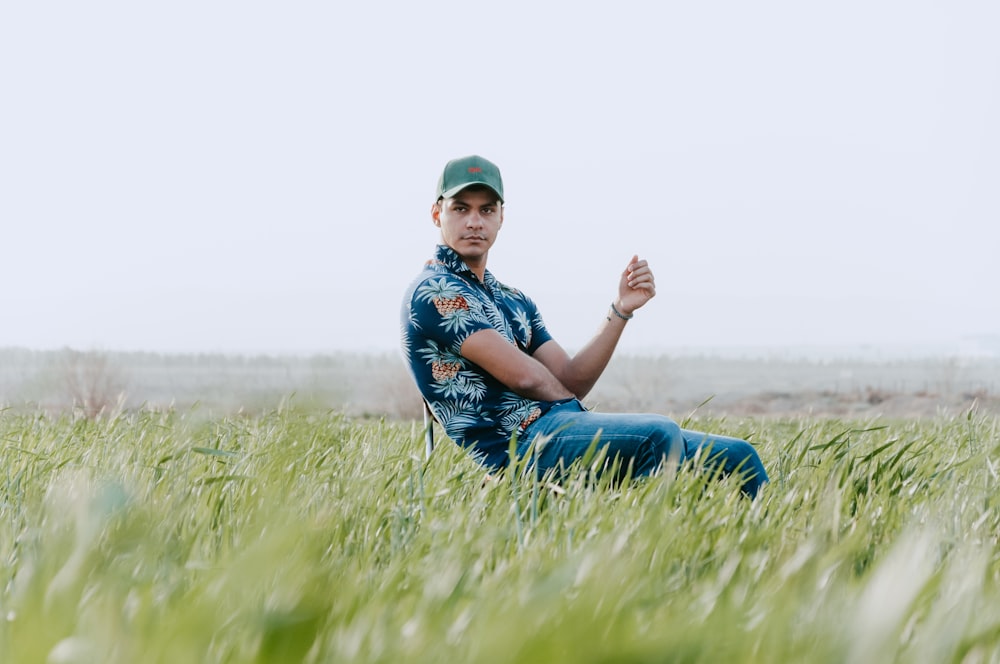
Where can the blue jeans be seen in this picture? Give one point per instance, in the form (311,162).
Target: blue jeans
(644,441)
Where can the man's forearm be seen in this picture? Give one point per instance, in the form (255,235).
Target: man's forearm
(581,372)
(544,387)
(522,373)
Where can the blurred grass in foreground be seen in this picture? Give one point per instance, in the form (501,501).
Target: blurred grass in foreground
(306,536)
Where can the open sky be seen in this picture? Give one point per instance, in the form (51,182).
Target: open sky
(257,177)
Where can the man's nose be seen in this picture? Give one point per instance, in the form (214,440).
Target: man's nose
(474,220)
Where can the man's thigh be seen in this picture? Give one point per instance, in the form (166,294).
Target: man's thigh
(640,439)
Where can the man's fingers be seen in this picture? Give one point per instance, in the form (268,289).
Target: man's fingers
(640,276)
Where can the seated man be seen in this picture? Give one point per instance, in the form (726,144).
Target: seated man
(488,368)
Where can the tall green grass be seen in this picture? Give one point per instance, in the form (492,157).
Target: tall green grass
(302,536)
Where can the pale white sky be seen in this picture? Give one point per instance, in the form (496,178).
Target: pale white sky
(256,177)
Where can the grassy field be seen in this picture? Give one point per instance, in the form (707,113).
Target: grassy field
(301,535)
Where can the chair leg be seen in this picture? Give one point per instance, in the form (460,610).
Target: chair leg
(428,431)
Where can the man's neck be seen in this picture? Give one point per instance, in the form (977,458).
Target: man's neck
(478,267)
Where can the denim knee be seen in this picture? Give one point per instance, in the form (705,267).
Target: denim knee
(667,442)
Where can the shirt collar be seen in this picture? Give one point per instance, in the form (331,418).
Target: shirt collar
(451,260)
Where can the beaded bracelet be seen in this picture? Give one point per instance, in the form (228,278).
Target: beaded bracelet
(620,314)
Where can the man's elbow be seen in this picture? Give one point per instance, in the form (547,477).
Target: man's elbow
(528,382)
(538,384)
(577,387)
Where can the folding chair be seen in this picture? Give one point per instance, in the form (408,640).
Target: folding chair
(428,431)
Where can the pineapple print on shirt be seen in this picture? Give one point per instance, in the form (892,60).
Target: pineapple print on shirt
(449,302)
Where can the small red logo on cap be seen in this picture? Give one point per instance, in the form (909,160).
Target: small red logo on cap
(475,169)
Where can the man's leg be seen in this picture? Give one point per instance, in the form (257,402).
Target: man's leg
(639,440)
(729,455)
(642,440)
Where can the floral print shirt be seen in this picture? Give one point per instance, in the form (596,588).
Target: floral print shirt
(444,306)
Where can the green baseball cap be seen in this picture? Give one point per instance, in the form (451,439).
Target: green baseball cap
(465,171)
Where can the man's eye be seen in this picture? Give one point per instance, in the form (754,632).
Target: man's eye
(487,210)
(459,208)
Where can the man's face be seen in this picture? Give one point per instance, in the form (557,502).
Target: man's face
(469,222)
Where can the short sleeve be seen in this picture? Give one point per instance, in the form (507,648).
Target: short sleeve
(445,311)
(539,333)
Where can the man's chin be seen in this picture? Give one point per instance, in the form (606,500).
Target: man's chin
(473,248)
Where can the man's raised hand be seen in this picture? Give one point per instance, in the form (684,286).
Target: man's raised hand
(636,286)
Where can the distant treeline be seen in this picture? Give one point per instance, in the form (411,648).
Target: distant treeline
(378,384)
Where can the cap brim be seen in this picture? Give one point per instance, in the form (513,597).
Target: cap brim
(454,190)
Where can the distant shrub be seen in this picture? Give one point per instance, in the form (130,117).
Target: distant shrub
(92,383)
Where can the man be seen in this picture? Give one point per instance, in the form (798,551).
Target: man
(489,369)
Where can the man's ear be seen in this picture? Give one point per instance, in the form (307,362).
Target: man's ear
(436,214)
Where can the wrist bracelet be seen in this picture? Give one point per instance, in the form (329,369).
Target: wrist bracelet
(620,314)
